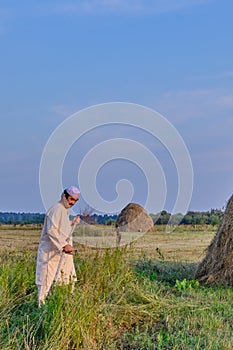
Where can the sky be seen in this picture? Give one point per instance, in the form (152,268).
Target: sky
(58,58)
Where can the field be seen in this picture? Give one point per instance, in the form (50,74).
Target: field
(140,296)
(183,244)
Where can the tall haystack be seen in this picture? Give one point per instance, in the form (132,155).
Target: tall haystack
(217,266)
(134,218)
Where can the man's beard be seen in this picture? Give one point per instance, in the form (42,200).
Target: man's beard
(64,201)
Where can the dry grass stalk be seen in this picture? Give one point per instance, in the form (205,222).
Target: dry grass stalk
(217,266)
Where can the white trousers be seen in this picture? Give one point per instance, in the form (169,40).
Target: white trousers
(43,292)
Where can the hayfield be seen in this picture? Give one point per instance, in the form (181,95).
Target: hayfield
(140,296)
(184,243)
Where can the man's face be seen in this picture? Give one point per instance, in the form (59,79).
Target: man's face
(71,201)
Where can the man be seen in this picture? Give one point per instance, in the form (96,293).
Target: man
(55,251)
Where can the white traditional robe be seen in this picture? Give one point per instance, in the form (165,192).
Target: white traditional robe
(54,236)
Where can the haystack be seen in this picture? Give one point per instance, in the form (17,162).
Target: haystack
(217,266)
(134,218)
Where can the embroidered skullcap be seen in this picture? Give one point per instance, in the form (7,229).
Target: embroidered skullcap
(73,192)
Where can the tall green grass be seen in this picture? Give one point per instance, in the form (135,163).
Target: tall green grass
(116,304)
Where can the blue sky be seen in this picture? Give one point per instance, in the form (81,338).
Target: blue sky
(172,56)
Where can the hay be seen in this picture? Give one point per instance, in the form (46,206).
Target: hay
(217,266)
(134,218)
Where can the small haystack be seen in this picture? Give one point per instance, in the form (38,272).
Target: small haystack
(217,266)
(134,218)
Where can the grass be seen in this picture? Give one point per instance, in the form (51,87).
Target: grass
(107,300)
(124,299)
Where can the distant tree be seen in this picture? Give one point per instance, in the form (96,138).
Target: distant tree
(163,218)
(110,222)
(187,220)
(155,217)
(175,219)
(214,220)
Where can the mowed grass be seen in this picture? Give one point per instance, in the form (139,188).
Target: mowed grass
(141,296)
(184,243)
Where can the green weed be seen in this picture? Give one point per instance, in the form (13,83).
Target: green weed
(186,285)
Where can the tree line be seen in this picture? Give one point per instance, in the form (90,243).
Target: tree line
(212,217)
(21,218)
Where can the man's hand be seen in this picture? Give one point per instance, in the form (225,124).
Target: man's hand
(76,220)
(68,249)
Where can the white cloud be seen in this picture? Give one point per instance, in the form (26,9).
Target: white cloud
(225,101)
(196,104)
(125,6)
(215,76)
(62,110)
(88,7)
(204,117)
